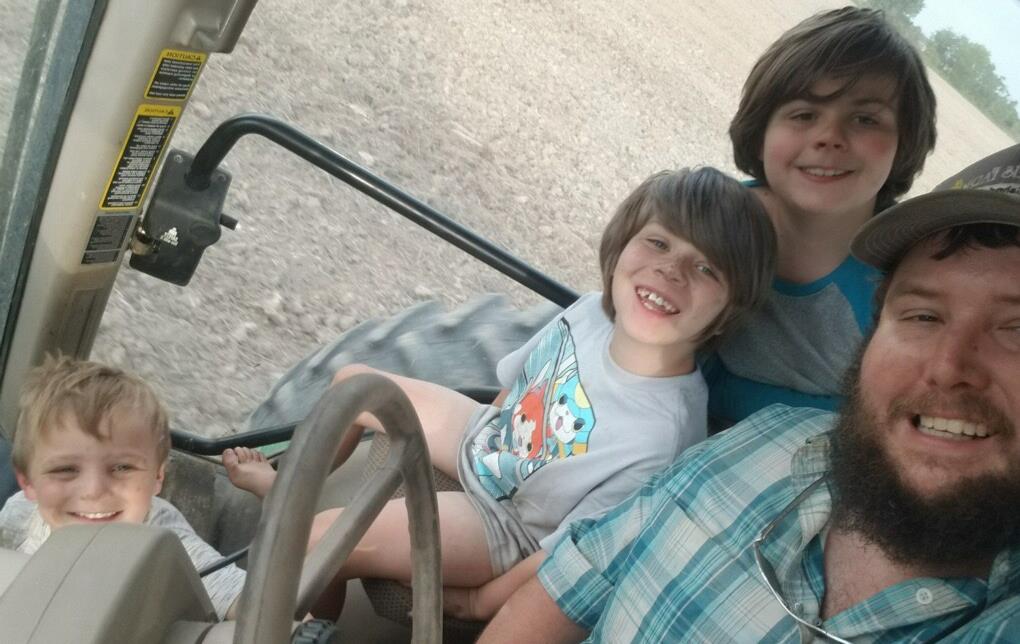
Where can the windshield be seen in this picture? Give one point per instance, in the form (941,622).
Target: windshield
(15,26)
(528,122)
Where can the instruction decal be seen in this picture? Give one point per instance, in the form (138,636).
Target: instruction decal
(107,237)
(142,150)
(175,74)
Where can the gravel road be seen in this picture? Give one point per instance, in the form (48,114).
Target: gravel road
(526,120)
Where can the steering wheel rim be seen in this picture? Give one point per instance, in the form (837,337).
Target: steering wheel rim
(274,593)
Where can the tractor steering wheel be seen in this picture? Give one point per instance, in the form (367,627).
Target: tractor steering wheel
(274,595)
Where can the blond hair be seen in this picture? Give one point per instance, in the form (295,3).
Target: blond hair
(90,392)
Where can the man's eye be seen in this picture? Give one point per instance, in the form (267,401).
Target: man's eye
(866,119)
(123,467)
(802,116)
(1012,327)
(922,317)
(658,243)
(66,470)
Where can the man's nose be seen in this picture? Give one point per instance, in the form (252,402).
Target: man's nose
(956,362)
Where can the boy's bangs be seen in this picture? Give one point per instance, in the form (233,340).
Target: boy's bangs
(849,72)
(850,51)
(94,413)
(706,233)
(73,407)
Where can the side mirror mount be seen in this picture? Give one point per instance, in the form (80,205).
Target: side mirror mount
(181,222)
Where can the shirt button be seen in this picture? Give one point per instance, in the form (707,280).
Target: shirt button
(798,607)
(923,596)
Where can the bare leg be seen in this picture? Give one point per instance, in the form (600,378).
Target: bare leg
(385,550)
(443,413)
(249,470)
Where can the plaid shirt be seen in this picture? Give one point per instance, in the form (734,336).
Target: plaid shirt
(675,563)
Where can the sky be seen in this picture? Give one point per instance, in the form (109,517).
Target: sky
(993,23)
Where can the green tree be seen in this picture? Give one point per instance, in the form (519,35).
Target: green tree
(906,8)
(967,63)
(901,14)
(968,66)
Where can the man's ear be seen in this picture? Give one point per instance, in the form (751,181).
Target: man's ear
(25,485)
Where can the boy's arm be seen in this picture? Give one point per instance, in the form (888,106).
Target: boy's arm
(480,604)
(544,619)
(223,586)
(500,397)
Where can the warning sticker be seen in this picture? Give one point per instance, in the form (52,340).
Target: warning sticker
(175,74)
(143,147)
(107,237)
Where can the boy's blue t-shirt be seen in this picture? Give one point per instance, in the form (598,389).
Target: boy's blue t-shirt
(796,348)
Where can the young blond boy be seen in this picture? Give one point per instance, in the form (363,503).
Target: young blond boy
(91,446)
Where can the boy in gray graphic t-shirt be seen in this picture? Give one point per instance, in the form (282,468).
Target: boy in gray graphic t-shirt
(604,396)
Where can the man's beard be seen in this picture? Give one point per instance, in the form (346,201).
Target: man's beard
(971,521)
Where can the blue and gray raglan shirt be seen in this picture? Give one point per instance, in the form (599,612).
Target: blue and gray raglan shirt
(796,348)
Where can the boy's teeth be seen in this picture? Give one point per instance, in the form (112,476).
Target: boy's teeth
(656,299)
(951,427)
(822,172)
(95,515)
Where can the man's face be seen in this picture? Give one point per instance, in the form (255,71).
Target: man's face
(77,478)
(926,458)
(942,371)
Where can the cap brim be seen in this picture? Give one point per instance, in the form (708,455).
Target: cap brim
(887,236)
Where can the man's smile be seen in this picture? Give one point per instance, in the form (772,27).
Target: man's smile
(950,428)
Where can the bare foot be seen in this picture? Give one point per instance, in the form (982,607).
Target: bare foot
(249,470)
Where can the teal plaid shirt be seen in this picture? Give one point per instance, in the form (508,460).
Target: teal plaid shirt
(674,562)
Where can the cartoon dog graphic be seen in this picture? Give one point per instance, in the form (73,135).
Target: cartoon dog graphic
(570,419)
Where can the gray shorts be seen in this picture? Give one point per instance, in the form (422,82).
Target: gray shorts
(509,542)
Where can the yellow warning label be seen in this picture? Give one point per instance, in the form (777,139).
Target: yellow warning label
(143,147)
(178,54)
(175,74)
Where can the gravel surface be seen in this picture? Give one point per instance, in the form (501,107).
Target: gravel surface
(528,121)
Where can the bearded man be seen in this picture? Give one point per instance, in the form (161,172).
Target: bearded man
(897,521)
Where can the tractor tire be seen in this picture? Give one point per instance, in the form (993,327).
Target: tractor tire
(458,349)
(316,631)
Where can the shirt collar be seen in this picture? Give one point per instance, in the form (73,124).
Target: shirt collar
(36,533)
(810,463)
(905,603)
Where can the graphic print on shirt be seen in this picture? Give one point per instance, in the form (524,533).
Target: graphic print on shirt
(546,417)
